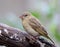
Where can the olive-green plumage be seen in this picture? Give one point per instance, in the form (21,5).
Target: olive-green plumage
(33,26)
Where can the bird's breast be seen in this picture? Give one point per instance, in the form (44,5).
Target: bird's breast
(29,29)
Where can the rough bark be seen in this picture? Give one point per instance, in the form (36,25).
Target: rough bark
(13,37)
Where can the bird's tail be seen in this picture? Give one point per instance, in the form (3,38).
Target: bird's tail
(50,40)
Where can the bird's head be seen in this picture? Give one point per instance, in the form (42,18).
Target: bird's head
(25,15)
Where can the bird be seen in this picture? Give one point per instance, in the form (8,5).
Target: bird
(33,26)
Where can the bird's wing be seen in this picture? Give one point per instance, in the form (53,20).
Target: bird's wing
(36,24)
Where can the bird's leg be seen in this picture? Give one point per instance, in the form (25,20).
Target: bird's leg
(31,39)
(36,37)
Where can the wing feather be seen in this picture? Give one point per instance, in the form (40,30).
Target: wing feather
(37,26)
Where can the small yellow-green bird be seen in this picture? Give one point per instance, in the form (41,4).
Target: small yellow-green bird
(33,26)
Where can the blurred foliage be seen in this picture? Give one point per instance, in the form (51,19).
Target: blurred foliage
(53,28)
(50,14)
(57,35)
(53,7)
(36,14)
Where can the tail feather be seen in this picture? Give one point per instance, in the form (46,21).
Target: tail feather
(50,39)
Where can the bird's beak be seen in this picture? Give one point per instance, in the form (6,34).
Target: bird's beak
(21,17)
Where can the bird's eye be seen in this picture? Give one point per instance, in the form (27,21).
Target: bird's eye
(26,15)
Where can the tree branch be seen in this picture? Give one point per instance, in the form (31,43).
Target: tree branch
(10,37)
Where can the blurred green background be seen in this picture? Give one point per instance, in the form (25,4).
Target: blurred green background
(47,11)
